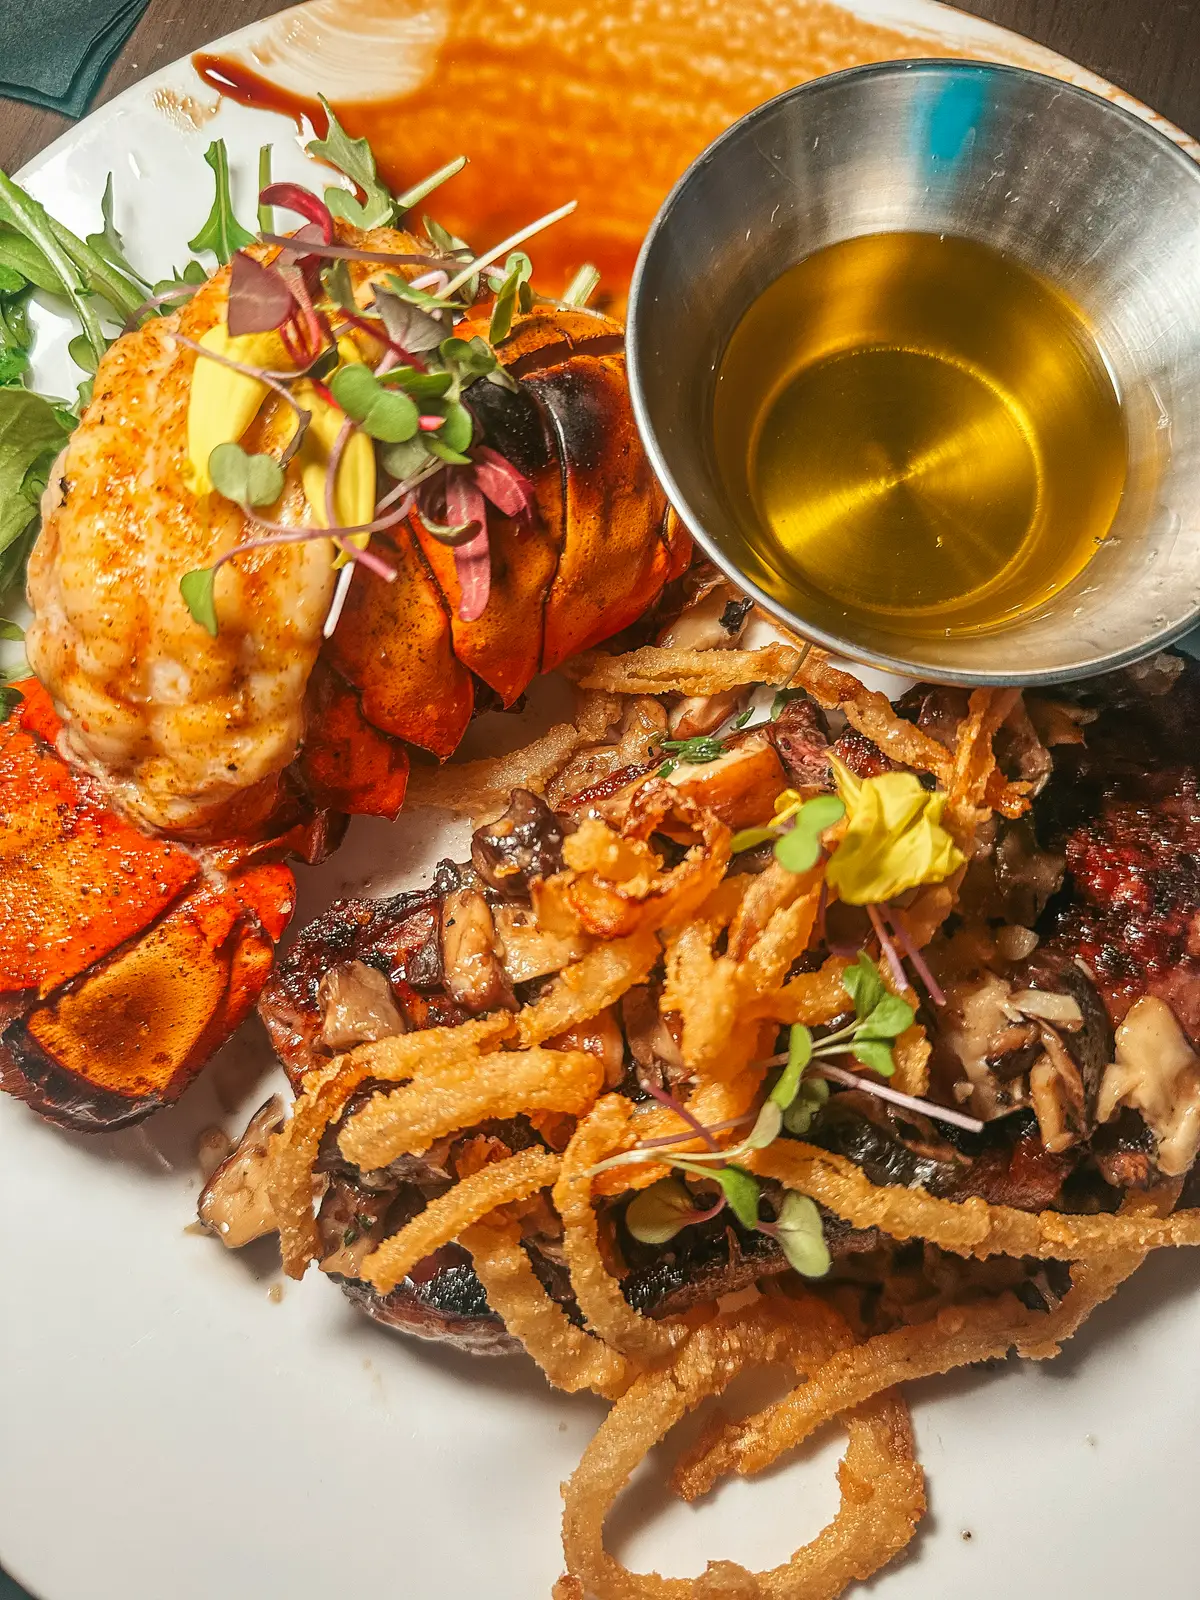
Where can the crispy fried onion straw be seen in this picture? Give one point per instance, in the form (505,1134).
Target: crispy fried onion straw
(969,1227)
(499,1183)
(597,1291)
(503,1084)
(570,1358)
(883,1495)
(290,1180)
(957,1336)
(481,790)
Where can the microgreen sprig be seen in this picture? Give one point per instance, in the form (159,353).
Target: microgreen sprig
(700,748)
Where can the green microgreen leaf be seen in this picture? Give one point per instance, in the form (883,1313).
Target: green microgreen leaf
(751,838)
(801,1236)
(335,279)
(890,1018)
(11,630)
(250,480)
(800,846)
(517,271)
(782,698)
(457,429)
(419,191)
(404,461)
(388,415)
(421,385)
(403,290)
(198,596)
(874,1054)
(467,359)
(864,984)
(740,1188)
(701,747)
(800,1049)
(445,452)
(766,1129)
(266,214)
(356,159)
(656,1214)
(740,722)
(667,768)
(582,286)
(222,233)
(810,1097)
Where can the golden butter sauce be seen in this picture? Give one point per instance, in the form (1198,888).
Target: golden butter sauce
(915,431)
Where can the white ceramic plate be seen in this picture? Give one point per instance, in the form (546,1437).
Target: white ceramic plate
(170,1427)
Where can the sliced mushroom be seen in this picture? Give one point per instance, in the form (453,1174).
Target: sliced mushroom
(359,1006)
(525,843)
(652,1043)
(713,621)
(600,1037)
(1157,1072)
(704,713)
(234,1203)
(474,973)
(1056,1092)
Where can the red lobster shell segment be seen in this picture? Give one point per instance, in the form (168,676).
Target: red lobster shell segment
(123,963)
(595,550)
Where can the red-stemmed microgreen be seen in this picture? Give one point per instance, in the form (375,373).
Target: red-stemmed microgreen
(656,1214)
(383,412)
(895,918)
(350,252)
(260,297)
(514,239)
(798,1232)
(888,949)
(295,197)
(799,849)
(512,292)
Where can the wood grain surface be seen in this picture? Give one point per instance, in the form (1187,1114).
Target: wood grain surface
(1149,47)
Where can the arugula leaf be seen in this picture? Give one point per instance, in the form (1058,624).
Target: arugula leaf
(22,256)
(511,295)
(32,432)
(250,480)
(24,212)
(800,847)
(656,1214)
(197,591)
(800,1049)
(863,983)
(223,234)
(10,699)
(108,243)
(356,159)
(388,415)
(81,353)
(801,1237)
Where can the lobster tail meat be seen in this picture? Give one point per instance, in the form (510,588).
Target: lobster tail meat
(125,963)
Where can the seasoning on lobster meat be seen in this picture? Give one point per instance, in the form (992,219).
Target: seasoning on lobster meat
(193,557)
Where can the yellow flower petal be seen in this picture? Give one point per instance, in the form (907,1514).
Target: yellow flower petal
(221,403)
(354,495)
(893,839)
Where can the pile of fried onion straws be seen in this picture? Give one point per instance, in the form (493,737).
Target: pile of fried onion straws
(647,881)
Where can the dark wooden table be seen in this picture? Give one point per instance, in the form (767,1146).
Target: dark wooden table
(1150,47)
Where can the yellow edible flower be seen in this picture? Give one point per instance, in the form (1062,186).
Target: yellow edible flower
(222,403)
(893,839)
